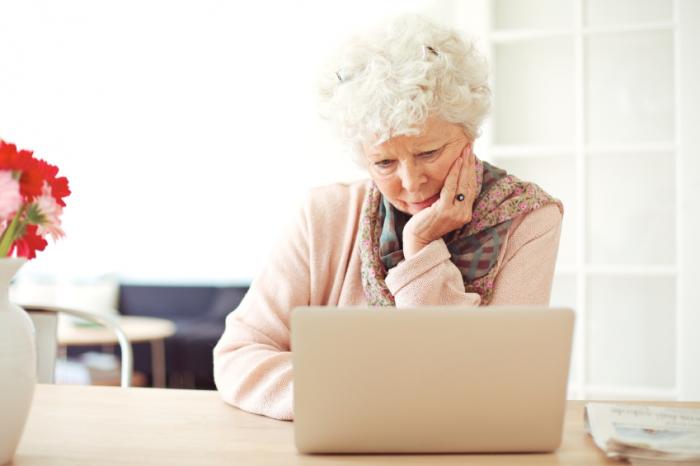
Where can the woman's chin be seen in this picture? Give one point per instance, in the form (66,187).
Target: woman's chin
(415,207)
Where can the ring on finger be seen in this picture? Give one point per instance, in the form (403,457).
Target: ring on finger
(459,197)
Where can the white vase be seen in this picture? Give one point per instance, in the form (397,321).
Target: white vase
(17,364)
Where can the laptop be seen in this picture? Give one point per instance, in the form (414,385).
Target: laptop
(430,379)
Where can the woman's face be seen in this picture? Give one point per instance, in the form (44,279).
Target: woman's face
(410,170)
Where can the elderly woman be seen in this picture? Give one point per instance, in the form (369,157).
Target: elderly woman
(433,225)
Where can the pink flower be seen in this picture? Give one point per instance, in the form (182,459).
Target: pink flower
(10,198)
(51,211)
(31,202)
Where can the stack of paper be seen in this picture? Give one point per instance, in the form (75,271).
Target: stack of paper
(645,435)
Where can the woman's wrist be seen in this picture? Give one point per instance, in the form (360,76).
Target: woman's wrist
(412,246)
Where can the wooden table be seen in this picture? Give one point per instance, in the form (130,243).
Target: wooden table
(137,329)
(87,425)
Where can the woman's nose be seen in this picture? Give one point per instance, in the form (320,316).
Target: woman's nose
(412,177)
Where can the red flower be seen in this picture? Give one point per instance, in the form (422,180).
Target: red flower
(31,177)
(59,185)
(29,243)
(59,189)
(41,193)
(7,154)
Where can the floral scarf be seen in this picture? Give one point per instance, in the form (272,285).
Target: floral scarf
(474,248)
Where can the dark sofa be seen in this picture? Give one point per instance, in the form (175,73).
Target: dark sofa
(198,312)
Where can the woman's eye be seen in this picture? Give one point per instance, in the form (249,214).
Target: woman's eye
(383,163)
(428,154)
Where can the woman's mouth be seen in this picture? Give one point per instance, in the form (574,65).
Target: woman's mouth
(425,204)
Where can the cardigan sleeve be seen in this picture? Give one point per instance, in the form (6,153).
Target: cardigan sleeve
(527,269)
(524,277)
(252,360)
(429,278)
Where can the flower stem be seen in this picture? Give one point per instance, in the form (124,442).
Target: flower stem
(8,237)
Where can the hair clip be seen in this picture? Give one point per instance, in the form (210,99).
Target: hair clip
(340,78)
(431,50)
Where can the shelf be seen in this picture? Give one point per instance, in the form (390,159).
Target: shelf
(531,14)
(631,331)
(586,104)
(522,35)
(621,29)
(533,79)
(501,37)
(631,149)
(619,270)
(529,151)
(635,12)
(632,270)
(630,210)
(629,88)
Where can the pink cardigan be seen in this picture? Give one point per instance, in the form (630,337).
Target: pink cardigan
(317,262)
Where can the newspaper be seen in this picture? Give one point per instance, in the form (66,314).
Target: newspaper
(645,435)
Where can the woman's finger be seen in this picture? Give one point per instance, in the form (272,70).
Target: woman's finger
(465,173)
(449,188)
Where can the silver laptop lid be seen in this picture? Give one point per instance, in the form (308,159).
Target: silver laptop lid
(490,379)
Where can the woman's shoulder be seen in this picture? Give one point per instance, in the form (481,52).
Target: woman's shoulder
(536,223)
(337,197)
(332,214)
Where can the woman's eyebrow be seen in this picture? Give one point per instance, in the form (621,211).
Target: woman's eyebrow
(429,147)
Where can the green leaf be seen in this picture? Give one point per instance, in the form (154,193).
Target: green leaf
(35,216)
(11,233)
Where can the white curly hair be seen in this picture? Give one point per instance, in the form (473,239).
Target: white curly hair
(388,82)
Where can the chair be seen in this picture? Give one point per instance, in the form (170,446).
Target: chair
(46,325)
(199,313)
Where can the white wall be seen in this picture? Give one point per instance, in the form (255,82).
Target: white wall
(597,102)
(188,129)
(689,115)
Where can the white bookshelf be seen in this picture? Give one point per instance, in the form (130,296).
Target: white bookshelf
(586,104)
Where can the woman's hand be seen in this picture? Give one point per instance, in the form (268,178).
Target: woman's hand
(447,213)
